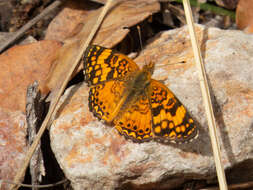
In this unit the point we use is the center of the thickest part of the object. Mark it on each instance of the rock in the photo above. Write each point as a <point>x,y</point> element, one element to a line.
<point>20,66</point>
<point>12,144</point>
<point>94,156</point>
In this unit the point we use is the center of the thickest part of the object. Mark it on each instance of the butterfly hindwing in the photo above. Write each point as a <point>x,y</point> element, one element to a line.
<point>170,119</point>
<point>134,120</point>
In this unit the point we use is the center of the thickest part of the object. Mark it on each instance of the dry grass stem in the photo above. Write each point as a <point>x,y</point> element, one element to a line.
<point>84,45</point>
<point>206,98</point>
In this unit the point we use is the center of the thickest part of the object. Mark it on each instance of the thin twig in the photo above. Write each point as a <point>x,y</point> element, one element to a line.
<point>246,185</point>
<point>36,186</point>
<point>27,26</point>
<point>206,98</point>
<point>34,112</point>
<point>54,102</point>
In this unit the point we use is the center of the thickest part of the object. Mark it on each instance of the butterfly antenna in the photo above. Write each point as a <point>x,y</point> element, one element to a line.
<point>139,33</point>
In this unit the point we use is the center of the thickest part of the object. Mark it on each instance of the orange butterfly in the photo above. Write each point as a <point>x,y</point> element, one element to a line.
<point>140,107</point>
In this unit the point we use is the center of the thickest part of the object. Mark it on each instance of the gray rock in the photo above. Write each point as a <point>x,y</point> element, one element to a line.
<point>94,156</point>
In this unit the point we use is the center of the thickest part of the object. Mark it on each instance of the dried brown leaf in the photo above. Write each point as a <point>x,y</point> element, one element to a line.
<point>64,57</point>
<point>228,4</point>
<point>112,31</point>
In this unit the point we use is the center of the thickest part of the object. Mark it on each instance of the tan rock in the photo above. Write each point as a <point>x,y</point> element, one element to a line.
<point>94,156</point>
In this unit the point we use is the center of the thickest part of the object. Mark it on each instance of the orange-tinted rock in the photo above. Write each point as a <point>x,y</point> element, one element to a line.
<point>21,66</point>
<point>12,143</point>
<point>244,15</point>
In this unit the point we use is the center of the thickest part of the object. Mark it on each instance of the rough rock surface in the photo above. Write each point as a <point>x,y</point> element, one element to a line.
<point>94,156</point>
<point>20,66</point>
<point>12,143</point>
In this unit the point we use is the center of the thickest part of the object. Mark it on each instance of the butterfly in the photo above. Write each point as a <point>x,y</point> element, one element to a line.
<point>140,108</point>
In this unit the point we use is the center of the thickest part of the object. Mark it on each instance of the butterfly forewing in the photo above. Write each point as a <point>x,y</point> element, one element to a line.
<point>102,64</point>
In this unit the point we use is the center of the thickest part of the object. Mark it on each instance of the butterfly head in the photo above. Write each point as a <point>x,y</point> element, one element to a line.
<point>149,68</point>
<point>142,79</point>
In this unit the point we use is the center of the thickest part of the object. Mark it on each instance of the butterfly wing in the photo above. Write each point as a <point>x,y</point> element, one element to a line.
<point>134,121</point>
<point>170,120</point>
<point>156,113</point>
<point>102,64</point>
<point>105,99</point>
<point>107,71</point>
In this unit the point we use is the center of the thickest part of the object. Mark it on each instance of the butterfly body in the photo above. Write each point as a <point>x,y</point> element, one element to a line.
<point>139,107</point>
<point>137,85</point>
